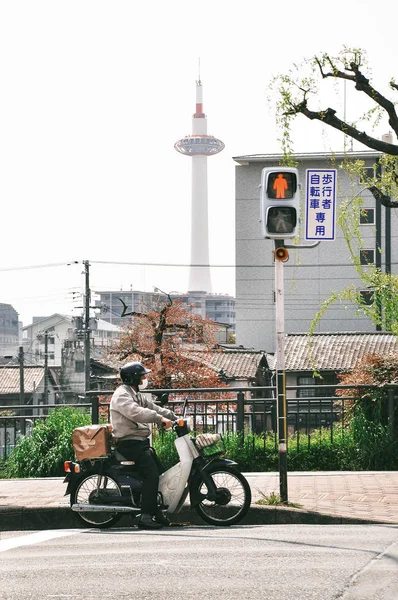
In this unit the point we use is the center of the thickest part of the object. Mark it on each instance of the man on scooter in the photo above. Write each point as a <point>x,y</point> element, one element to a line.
<point>131,416</point>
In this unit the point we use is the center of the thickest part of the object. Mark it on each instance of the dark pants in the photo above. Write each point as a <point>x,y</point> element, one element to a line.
<point>148,469</point>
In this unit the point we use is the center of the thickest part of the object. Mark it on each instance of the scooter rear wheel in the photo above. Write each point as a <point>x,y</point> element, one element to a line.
<point>233,497</point>
<point>83,494</point>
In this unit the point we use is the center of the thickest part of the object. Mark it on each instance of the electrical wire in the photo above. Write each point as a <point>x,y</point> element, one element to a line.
<point>185,265</point>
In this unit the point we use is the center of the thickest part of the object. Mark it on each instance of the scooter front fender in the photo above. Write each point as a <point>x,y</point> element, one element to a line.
<point>219,462</point>
<point>200,476</point>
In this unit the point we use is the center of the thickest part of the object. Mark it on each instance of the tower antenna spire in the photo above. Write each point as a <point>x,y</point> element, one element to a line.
<point>199,70</point>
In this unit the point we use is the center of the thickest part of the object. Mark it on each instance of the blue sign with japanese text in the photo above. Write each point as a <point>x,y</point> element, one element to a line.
<point>320,204</point>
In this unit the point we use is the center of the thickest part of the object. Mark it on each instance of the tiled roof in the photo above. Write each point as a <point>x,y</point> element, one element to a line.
<point>335,351</point>
<point>9,379</point>
<point>236,364</point>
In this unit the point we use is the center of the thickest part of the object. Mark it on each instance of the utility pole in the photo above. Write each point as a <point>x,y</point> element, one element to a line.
<point>46,367</point>
<point>21,386</point>
<point>87,298</point>
<point>21,376</point>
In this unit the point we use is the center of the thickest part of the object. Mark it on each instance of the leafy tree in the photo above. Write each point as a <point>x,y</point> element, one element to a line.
<point>367,412</point>
<point>381,307</point>
<point>302,84</point>
<point>373,370</point>
<point>161,339</point>
<point>298,91</point>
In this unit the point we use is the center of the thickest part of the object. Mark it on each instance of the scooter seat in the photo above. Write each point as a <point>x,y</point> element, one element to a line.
<point>122,459</point>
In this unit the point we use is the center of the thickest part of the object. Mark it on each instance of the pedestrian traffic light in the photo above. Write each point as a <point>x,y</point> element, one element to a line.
<point>280,202</point>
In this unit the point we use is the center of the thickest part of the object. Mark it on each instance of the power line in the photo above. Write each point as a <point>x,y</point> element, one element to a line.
<point>184,265</point>
<point>24,268</point>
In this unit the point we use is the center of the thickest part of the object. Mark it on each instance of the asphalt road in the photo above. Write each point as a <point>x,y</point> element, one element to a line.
<point>289,562</point>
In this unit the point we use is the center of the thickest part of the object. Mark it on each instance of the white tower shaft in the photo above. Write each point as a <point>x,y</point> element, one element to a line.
<point>199,277</point>
<point>199,146</point>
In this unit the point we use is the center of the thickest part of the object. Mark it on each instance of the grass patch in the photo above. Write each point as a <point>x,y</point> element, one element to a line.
<point>275,500</point>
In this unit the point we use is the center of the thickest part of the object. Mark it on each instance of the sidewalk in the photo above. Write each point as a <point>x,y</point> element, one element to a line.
<point>324,498</point>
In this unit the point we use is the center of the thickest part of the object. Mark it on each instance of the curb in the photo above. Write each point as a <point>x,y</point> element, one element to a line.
<point>24,519</point>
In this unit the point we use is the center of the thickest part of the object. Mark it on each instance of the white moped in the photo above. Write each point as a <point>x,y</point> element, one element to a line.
<point>102,490</point>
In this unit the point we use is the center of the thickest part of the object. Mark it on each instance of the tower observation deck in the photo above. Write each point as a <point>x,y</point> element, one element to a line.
<point>199,146</point>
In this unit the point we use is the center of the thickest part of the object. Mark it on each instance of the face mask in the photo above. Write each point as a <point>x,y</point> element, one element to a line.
<point>143,384</point>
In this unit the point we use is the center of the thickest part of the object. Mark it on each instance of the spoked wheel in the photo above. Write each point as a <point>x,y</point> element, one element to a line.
<point>88,492</point>
<point>233,498</point>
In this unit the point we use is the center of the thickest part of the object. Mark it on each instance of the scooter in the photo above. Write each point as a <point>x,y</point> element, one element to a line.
<point>102,490</point>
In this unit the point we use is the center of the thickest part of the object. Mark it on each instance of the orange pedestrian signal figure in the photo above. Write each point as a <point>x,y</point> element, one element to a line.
<point>280,186</point>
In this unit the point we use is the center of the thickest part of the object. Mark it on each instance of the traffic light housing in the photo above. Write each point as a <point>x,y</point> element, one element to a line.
<point>280,202</point>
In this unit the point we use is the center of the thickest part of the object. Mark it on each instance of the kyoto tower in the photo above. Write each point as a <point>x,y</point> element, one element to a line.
<point>199,146</point>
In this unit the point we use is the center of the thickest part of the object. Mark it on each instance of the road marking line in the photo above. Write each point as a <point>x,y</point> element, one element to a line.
<point>36,538</point>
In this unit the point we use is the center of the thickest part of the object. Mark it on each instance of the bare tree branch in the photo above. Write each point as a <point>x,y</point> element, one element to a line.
<point>362,84</point>
<point>329,117</point>
<point>384,200</point>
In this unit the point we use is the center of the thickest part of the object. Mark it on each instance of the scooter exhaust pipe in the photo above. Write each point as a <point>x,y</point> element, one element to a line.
<point>103,508</point>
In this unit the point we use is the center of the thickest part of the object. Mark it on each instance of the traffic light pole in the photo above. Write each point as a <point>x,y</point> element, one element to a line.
<point>281,405</point>
<point>87,298</point>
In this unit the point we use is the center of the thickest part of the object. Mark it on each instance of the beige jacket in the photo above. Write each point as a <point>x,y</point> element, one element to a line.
<point>131,413</point>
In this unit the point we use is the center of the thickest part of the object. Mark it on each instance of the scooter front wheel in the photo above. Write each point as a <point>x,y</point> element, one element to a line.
<point>86,492</point>
<point>232,501</point>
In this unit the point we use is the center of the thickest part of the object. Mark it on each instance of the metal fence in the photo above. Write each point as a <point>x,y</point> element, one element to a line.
<point>237,410</point>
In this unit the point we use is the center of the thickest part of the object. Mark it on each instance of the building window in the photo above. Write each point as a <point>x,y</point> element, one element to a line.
<point>51,340</point>
<point>79,366</point>
<point>369,173</point>
<point>366,296</point>
<point>367,216</point>
<point>305,393</point>
<point>367,257</point>
<point>51,355</point>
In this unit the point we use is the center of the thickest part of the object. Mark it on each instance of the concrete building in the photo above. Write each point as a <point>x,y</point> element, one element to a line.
<point>310,275</point>
<point>219,307</point>
<point>9,333</point>
<point>65,348</point>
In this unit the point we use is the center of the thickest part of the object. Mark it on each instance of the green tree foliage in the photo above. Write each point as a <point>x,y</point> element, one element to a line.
<point>382,305</point>
<point>367,412</point>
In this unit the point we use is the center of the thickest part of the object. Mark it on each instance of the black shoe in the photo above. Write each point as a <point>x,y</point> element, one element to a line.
<point>161,518</point>
<point>148,522</point>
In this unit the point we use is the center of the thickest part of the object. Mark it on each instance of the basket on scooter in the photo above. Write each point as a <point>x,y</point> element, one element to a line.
<point>210,444</point>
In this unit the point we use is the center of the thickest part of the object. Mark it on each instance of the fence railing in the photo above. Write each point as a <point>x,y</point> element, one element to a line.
<point>239,410</point>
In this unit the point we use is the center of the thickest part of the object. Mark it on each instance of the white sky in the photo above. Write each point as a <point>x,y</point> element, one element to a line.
<point>94,96</point>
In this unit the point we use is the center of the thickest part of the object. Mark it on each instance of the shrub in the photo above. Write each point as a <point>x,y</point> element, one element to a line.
<point>360,446</point>
<point>49,445</point>
<point>163,443</point>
